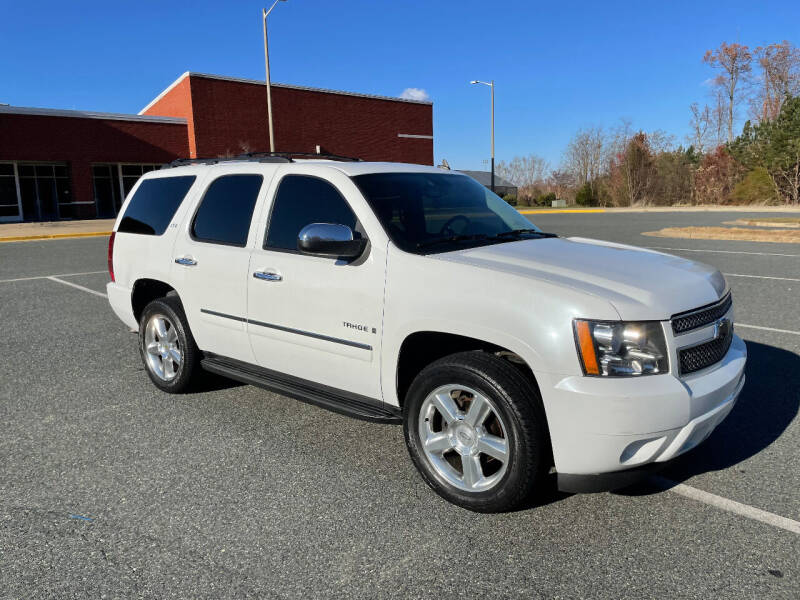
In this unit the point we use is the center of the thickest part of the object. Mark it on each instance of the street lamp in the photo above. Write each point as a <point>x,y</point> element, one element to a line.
<point>491,85</point>
<point>265,14</point>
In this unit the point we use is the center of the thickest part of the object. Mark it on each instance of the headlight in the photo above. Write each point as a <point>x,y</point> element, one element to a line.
<point>619,349</point>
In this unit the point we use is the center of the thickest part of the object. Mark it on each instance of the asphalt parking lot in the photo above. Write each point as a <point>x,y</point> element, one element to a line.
<point>110,488</point>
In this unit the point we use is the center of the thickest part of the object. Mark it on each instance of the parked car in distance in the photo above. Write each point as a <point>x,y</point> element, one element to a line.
<point>407,294</point>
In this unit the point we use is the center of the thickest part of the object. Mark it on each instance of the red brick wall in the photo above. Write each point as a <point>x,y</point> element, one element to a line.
<point>228,117</point>
<point>177,103</point>
<point>80,142</point>
<point>223,117</point>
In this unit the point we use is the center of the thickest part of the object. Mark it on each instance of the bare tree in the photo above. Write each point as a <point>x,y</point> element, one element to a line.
<point>734,61</point>
<point>560,182</point>
<point>618,140</point>
<point>524,171</point>
<point>780,79</point>
<point>701,126</point>
<point>585,156</point>
<point>719,118</point>
<point>659,141</point>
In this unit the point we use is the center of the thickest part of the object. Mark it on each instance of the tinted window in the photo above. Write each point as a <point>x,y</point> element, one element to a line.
<point>154,204</point>
<point>226,210</point>
<point>303,200</point>
<point>419,210</point>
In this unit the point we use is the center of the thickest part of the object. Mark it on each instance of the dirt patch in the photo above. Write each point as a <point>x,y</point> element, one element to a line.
<point>778,236</point>
<point>788,222</point>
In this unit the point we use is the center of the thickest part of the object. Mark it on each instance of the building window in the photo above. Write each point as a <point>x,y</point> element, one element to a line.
<point>107,190</point>
<point>113,182</point>
<point>9,200</point>
<point>130,175</point>
<point>45,192</point>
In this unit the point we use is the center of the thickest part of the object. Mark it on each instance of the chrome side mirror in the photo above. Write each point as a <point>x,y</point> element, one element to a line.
<point>330,240</point>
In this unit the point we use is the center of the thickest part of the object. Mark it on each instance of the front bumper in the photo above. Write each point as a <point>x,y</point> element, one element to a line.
<point>607,433</point>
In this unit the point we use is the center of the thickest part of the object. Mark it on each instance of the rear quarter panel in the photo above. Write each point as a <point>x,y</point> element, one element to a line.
<point>150,256</point>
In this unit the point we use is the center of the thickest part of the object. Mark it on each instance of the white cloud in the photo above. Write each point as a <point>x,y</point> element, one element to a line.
<point>415,94</point>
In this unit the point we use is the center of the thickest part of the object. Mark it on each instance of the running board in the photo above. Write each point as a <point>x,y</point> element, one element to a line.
<point>340,401</point>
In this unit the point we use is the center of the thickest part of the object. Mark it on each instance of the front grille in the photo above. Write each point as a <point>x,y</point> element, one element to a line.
<point>704,355</point>
<point>699,317</point>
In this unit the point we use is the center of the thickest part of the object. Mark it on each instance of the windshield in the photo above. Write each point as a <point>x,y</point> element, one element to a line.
<point>438,212</point>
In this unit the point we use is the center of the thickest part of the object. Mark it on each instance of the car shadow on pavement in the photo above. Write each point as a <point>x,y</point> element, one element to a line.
<point>766,406</point>
<point>211,382</point>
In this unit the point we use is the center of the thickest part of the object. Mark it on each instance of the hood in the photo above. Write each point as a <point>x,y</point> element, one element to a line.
<point>641,284</point>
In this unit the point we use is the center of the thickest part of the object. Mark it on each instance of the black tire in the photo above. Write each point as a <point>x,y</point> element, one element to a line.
<point>516,401</point>
<point>188,371</point>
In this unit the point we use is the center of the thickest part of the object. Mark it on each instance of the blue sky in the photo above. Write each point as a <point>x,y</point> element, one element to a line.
<point>558,66</point>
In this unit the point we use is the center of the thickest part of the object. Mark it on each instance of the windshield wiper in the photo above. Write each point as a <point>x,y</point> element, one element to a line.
<point>482,236</point>
<point>519,232</point>
<point>453,238</point>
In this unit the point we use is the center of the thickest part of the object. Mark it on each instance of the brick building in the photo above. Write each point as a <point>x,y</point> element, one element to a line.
<point>65,164</point>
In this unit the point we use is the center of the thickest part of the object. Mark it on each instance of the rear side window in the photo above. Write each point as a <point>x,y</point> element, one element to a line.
<point>154,204</point>
<point>226,210</point>
<point>300,201</point>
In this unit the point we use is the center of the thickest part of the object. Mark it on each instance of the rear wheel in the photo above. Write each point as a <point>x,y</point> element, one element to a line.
<point>476,431</point>
<point>166,345</point>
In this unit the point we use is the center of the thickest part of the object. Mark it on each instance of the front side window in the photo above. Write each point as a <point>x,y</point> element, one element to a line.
<point>300,201</point>
<point>154,204</point>
<point>435,212</point>
<point>226,210</point>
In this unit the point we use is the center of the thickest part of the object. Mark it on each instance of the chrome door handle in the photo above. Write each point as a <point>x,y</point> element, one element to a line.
<point>186,261</point>
<point>265,276</point>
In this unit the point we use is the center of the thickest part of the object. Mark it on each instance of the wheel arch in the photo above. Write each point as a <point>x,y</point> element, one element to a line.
<point>146,290</point>
<point>420,348</point>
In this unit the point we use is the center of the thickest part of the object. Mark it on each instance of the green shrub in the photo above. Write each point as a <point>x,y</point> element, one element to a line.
<point>511,199</point>
<point>756,188</point>
<point>546,199</point>
<point>585,196</point>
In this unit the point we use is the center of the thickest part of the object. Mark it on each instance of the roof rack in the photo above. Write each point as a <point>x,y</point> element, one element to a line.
<point>277,157</point>
<point>181,162</point>
<point>291,155</point>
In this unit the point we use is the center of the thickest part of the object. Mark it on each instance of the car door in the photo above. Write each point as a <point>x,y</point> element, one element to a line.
<point>211,260</point>
<point>311,317</point>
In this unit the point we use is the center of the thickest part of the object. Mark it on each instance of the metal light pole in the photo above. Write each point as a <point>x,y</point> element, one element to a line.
<point>491,85</point>
<point>265,14</point>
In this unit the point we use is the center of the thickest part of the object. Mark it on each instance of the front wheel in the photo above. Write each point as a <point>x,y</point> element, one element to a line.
<point>166,345</point>
<point>476,431</point>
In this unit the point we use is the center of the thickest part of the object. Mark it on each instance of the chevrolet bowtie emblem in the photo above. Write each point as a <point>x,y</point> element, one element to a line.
<point>721,328</point>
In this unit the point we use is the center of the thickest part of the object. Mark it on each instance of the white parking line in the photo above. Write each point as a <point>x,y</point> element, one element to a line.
<point>768,328</point>
<point>49,276</point>
<point>721,251</point>
<point>744,510</point>
<point>760,277</point>
<point>78,287</point>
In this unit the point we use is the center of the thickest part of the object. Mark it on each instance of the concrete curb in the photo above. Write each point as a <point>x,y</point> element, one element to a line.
<point>566,210</point>
<point>52,236</point>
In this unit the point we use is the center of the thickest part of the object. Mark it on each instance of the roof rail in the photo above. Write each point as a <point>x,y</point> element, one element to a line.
<point>291,155</point>
<point>180,162</point>
<point>282,157</point>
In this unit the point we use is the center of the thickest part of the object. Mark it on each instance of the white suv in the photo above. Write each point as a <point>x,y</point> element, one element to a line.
<point>404,293</point>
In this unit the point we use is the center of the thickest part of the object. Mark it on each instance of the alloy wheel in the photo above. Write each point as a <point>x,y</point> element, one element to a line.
<point>162,347</point>
<point>464,438</point>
